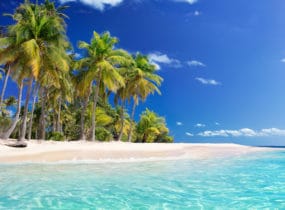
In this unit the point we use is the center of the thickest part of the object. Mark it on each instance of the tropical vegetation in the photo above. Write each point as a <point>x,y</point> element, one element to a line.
<point>67,98</point>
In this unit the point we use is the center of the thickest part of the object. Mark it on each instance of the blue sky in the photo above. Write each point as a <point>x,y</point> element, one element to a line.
<point>222,61</point>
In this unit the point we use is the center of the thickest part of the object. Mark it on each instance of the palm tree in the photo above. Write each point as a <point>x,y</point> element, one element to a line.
<point>150,127</point>
<point>82,90</point>
<point>35,93</point>
<point>122,95</point>
<point>10,55</point>
<point>57,96</point>
<point>6,134</point>
<point>101,66</point>
<point>7,74</point>
<point>143,81</point>
<point>41,40</point>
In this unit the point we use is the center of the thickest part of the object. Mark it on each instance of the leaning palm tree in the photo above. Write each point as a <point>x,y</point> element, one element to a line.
<point>101,66</point>
<point>10,55</point>
<point>7,75</point>
<point>18,76</point>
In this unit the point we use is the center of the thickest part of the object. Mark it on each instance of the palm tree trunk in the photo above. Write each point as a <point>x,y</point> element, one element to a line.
<point>82,119</point>
<point>32,113</point>
<point>4,87</point>
<point>24,122</point>
<point>7,134</point>
<point>132,120</point>
<point>83,111</point>
<point>122,122</point>
<point>59,128</point>
<point>54,122</point>
<point>96,95</point>
<point>144,138</point>
<point>42,134</point>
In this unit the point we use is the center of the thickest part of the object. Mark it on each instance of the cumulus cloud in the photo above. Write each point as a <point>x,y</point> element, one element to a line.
<point>200,125</point>
<point>96,4</point>
<point>189,134</point>
<point>158,58</point>
<point>195,63</point>
<point>272,131</point>
<point>187,1</point>
<point>179,123</point>
<point>244,132</point>
<point>207,81</point>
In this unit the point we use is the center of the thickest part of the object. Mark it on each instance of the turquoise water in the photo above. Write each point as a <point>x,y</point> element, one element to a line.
<point>255,181</point>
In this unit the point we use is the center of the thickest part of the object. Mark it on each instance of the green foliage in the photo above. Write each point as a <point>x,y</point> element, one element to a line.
<point>152,128</point>
<point>102,134</point>
<point>70,118</point>
<point>56,136</point>
<point>4,123</point>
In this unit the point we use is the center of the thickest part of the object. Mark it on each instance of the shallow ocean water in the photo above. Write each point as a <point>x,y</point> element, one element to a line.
<point>253,181</point>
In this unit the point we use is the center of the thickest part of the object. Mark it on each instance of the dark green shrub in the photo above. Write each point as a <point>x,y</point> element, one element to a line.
<point>103,134</point>
<point>56,136</point>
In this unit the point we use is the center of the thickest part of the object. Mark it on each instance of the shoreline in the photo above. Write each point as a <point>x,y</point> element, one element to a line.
<point>84,151</point>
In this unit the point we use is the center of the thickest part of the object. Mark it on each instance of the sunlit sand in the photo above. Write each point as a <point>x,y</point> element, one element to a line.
<point>51,151</point>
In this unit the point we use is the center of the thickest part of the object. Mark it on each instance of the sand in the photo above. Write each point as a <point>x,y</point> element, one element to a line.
<point>52,151</point>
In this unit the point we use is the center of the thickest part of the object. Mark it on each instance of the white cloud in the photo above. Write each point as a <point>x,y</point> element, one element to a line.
<point>207,81</point>
<point>189,134</point>
<point>11,112</point>
<point>65,1</point>
<point>216,123</point>
<point>244,132</point>
<point>283,60</point>
<point>197,13</point>
<point>96,4</point>
<point>200,125</point>
<point>101,4</point>
<point>195,63</point>
<point>179,123</point>
<point>273,131</point>
<point>77,55</point>
<point>187,1</point>
<point>158,58</point>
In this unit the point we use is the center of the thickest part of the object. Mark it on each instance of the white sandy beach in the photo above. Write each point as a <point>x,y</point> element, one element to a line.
<point>51,151</point>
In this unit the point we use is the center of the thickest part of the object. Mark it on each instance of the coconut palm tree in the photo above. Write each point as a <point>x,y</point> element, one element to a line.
<point>57,97</point>
<point>10,55</point>
<point>41,40</point>
<point>18,77</point>
<point>143,82</point>
<point>151,127</point>
<point>35,93</point>
<point>101,66</point>
<point>122,95</point>
<point>7,74</point>
<point>82,89</point>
